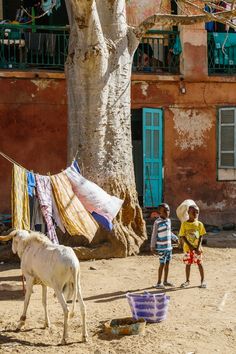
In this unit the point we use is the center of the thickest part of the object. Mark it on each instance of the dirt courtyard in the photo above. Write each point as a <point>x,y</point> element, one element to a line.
<point>199,320</point>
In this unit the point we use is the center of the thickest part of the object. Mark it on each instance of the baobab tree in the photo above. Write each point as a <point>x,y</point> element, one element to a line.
<point>98,73</point>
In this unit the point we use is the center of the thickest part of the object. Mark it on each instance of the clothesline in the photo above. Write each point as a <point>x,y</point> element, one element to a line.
<point>17,164</point>
<point>37,17</point>
<point>12,161</point>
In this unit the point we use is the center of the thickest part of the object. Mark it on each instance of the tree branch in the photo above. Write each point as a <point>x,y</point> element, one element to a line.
<point>69,11</point>
<point>167,19</point>
<point>222,16</point>
<point>222,12</point>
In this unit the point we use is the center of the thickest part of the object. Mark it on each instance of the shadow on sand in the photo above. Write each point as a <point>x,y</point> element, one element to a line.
<point>117,295</point>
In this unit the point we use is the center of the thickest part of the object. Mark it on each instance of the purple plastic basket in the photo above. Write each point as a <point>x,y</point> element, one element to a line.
<point>150,307</point>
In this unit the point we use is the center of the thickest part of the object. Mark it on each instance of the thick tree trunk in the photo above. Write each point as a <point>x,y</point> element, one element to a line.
<point>98,72</point>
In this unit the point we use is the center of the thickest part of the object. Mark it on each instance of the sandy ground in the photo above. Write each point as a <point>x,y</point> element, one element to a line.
<point>199,320</point>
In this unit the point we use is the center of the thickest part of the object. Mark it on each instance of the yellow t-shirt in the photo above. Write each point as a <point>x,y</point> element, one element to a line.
<point>192,231</point>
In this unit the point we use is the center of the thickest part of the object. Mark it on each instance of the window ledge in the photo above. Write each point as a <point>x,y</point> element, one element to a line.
<point>32,74</point>
<point>226,174</point>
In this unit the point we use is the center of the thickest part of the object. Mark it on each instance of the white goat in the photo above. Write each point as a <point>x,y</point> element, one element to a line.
<point>50,265</point>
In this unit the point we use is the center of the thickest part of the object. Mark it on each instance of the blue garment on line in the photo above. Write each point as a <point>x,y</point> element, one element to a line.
<point>177,48</point>
<point>107,224</point>
<point>76,166</point>
<point>209,26</point>
<point>31,183</point>
<point>48,5</point>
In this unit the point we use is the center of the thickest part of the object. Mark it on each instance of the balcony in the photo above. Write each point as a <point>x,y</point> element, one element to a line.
<point>158,52</point>
<point>28,47</point>
<point>221,53</point>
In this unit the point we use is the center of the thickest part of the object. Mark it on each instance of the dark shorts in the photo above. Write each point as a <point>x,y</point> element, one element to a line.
<point>164,256</point>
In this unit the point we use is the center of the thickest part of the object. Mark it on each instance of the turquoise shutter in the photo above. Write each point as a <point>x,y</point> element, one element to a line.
<point>152,156</point>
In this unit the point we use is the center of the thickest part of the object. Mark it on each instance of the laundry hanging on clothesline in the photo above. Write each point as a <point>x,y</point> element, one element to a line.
<point>44,191</point>
<point>67,200</point>
<point>100,204</point>
<point>75,217</point>
<point>31,10</point>
<point>20,199</point>
<point>48,5</point>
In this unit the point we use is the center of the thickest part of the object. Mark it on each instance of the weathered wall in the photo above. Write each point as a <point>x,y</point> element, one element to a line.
<point>33,127</point>
<point>138,10</point>
<point>190,143</point>
<point>33,116</point>
<point>193,59</point>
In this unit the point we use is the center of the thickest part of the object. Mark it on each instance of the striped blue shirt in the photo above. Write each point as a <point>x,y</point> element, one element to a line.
<point>162,235</point>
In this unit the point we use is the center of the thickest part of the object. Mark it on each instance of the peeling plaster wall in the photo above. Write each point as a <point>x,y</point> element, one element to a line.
<point>191,126</point>
<point>190,143</point>
<point>33,125</point>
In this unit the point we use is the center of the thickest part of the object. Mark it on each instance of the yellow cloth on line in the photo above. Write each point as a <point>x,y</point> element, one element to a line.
<point>20,199</point>
<point>75,217</point>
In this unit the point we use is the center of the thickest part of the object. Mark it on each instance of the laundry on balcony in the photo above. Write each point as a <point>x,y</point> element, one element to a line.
<point>40,43</point>
<point>224,48</point>
<point>48,5</point>
<point>35,42</point>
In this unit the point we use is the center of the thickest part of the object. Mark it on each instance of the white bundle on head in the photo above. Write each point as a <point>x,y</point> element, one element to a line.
<point>182,210</point>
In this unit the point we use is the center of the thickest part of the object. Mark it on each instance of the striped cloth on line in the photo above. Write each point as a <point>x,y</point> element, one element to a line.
<point>20,199</point>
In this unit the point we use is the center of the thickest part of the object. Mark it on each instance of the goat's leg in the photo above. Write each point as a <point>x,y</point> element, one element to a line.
<point>23,283</point>
<point>44,301</point>
<point>65,308</point>
<point>75,292</point>
<point>29,287</point>
<point>83,314</point>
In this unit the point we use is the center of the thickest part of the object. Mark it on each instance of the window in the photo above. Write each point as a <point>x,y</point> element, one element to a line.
<point>227,134</point>
<point>227,144</point>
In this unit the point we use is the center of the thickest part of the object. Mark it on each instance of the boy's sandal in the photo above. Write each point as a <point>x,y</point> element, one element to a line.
<point>160,286</point>
<point>185,284</point>
<point>166,283</point>
<point>203,285</point>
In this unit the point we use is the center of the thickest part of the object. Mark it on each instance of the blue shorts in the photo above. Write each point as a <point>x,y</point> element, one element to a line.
<point>164,256</point>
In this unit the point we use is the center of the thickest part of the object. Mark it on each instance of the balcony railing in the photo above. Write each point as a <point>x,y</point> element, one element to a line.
<point>45,47</point>
<point>24,47</point>
<point>158,52</point>
<point>221,53</point>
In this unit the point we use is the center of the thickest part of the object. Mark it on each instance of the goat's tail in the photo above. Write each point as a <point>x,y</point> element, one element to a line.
<point>75,292</point>
<point>68,291</point>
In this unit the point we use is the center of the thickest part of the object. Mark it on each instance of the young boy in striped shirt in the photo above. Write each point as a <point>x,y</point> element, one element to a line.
<point>161,243</point>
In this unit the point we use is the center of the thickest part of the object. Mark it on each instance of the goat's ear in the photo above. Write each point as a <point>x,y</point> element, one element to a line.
<point>13,233</point>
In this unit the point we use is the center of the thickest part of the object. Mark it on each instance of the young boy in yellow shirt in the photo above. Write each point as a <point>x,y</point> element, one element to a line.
<point>191,232</point>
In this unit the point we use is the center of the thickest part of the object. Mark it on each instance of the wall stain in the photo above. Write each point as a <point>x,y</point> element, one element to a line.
<point>42,84</point>
<point>144,88</point>
<point>192,127</point>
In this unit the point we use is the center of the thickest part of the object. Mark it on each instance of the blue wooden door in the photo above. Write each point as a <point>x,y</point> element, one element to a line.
<point>152,157</point>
